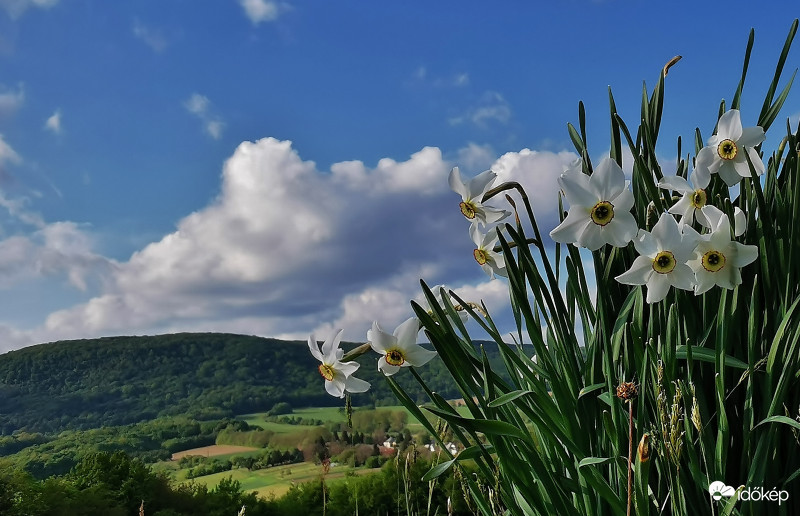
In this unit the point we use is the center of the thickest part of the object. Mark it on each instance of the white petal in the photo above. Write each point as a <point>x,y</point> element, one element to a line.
<point>476,235</point>
<point>406,333</point>
<point>657,287</point>
<point>418,356</point>
<point>488,215</point>
<point>577,190</point>
<point>705,280</point>
<point>729,172</point>
<point>331,345</point>
<point>621,230</point>
<point>353,384</point>
<point>744,254</point>
<point>730,126</point>
<point>480,184</point>
<point>645,244</point>
<point>682,277</point>
<point>593,237</point>
<point>313,347</point>
<point>456,184</point>
<point>743,168</point>
<point>675,183</point>
<point>739,221</point>
<point>684,208</point>
<point>666,232</point>
<point>623,201</point>
<point>379,340</point>
<point>386,368</point>
<point>335,387</point>
<point>751,136</point>
<point>608,180</point>
<point>571,227</point>
<point>346,368</point>
<point>639,273</point>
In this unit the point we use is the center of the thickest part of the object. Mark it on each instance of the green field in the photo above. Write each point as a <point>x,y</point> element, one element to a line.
<point>277,481</point>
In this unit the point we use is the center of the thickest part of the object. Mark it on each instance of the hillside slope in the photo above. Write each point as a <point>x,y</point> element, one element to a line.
<point>120,380</point>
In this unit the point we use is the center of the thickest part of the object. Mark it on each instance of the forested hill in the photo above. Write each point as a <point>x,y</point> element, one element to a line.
<point>120,380</point>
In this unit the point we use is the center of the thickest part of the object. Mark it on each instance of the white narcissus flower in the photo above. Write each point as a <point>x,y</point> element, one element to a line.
<point>724,153</point>
<point>472,193</point>
<point>399,349</point>
<point>337,374</point>
<point>490,261</point>
<point>599,208</point>
<point>694,198</point>
<point>717,260</point>
<point>662,261</point>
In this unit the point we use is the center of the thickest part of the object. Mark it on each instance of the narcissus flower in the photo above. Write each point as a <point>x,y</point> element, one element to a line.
<point>337,374</point>
<point>599,208</point>
<point>662,261</point>
<point>399,349</point>
<point>718,260</point>
<point>472,193</point>
<point>694,198</point>
<point>490,261</point>
<point>724,153</point>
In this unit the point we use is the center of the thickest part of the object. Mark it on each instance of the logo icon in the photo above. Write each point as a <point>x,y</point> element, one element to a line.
<point>718,490</point>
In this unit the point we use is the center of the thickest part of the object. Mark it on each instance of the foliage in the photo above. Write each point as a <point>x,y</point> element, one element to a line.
<point>717,374</point>
<point>122,380</point>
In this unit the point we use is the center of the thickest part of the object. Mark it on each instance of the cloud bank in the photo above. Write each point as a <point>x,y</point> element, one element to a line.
<point>287,248</point>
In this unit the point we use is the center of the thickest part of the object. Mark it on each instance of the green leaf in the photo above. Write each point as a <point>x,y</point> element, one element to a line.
<point>707,355</point>
<point>781,419</point>
<point>508,397</point>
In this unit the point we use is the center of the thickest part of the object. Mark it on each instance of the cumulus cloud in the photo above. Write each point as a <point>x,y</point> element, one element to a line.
<point>153,38</point>
<point>53,123</point>
<point>200,106</point>
<point>11,100</point>
<point>491,107</point>
<point>259,11</point>
<point>287,249</point>
<point>17,8</point>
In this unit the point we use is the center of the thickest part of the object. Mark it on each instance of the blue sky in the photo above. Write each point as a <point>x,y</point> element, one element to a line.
<point>278,168</point>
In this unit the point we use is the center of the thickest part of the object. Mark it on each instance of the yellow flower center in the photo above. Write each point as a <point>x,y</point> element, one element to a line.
<point>664,262</point>
<point>481,256</point>
<point>395,357</point>
<point>327,372</point>
<point>699,198</point>
<point>468,209</point>
<point>727,149</point>
<point>602,213</point>
<point>713,261</point>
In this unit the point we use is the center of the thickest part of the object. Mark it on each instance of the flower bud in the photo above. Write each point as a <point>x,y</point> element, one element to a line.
<point>644,448</point>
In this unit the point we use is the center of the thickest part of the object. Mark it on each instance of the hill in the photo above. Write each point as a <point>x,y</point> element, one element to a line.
<point>111,381</point>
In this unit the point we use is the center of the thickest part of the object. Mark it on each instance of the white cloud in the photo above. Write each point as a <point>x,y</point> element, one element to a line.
<point>263,10</point>
<point>10,100</point>
<point>53,123</point>
<point>285,249</point>
<point>153,38</point>
<point>16,8</point>
<point>491,107</point>
<point>200,106</point>
<point>537,172</point>
<point>476,157</point>
<point>7,154</point>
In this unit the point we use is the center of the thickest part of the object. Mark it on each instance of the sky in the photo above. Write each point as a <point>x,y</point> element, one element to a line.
<point>279,168</point>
